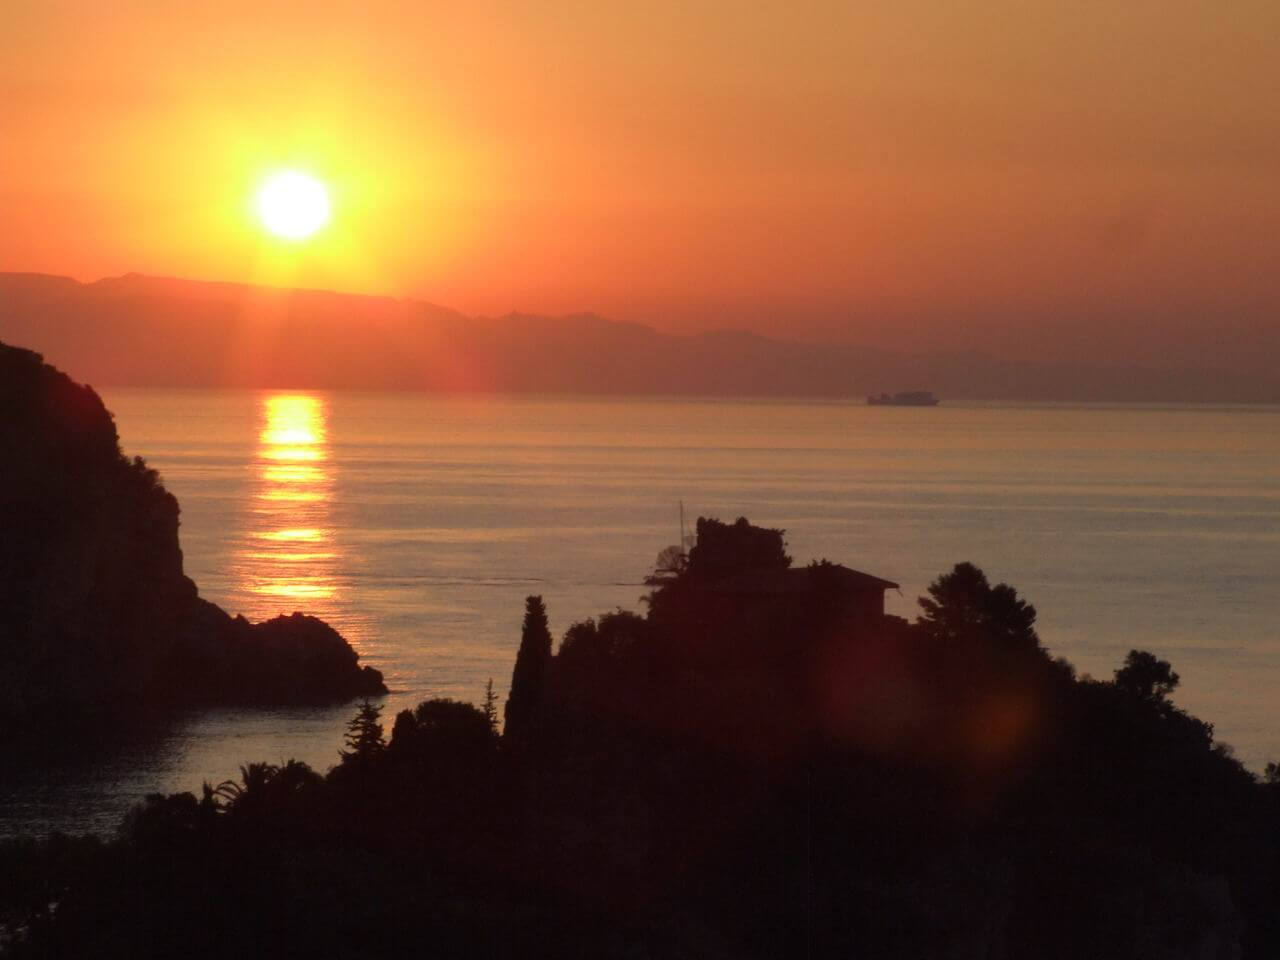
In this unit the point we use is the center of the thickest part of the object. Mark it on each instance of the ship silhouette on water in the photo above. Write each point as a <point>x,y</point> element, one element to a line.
<point>906,398</point>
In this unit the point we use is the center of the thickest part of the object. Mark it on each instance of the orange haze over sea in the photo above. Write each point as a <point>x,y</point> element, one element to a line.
<point>1029,177</point>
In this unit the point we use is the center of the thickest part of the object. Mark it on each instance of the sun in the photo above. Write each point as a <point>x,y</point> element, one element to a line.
<point>293,205</point>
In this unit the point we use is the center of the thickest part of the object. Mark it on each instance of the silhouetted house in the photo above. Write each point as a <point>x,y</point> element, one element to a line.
<point>861,595</point>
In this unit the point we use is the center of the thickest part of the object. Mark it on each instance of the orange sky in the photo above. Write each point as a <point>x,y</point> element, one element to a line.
<point>906,174</point>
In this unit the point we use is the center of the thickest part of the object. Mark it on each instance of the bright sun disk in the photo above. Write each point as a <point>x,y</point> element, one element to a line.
<point>293,205</point>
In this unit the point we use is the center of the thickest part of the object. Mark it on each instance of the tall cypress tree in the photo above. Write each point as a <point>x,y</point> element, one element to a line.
<point>491,706</point>
<point>530,671</point>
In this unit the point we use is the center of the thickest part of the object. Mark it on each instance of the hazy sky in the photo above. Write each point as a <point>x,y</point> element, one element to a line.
<point>1088,177</point>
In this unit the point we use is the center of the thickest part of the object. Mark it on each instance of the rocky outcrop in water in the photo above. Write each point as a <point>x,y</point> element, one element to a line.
<point>96,614</point>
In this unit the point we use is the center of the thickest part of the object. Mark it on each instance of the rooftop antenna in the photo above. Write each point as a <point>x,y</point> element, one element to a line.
<point>684,537</point>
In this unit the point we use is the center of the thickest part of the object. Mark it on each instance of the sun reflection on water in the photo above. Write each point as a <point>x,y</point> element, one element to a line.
<point>291,559</point>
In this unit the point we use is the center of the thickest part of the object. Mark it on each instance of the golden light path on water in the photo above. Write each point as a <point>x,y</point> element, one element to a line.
<point>291,557</point>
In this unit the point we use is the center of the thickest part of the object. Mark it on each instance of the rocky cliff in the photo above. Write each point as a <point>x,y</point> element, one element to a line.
<point>96,614</point>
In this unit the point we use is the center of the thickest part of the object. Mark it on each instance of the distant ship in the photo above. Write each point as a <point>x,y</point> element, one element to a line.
<point>908,398</point>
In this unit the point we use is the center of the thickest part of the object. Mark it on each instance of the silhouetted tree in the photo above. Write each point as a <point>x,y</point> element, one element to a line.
<point>1146,676</point>
<point>452,719</point>
<point>444,736</point>
<point>364,735</point>
<point>672,561</point>
<point>725,549</point>
<point>294,777</point>
<point>491,706</point>
<point>962,606</point>
<point>588,645</point>
<point>249,795</point>
<point>402,729</point>
<point>528,678</point>
<point>933,795</point>
<point>208,799</point>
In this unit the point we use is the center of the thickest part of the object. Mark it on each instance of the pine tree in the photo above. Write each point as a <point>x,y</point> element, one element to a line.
<point>364,734</point>
<point>491,706</point>
<point>530,671</point>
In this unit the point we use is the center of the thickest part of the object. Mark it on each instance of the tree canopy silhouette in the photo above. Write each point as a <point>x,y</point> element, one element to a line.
<point>742,776</point>
<point>529,676</point>
<point>669,565</point>
<point>364,740</point>
<point>962,607</point>
<point>1146,676</point>
<point>723,549</point>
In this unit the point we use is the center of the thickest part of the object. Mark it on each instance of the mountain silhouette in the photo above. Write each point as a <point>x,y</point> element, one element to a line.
<point>152,331</point>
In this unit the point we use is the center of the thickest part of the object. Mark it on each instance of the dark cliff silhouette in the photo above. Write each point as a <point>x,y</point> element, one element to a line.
<point>155,331</point>
<point>726,777</point>
<point>96,614</point>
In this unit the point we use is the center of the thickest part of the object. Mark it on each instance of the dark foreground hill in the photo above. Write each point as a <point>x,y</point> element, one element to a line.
<point>762,766</point>
<point>96,614</point>
<point>148,331</point>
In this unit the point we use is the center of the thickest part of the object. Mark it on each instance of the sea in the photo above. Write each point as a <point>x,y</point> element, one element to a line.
<point>418,524</point>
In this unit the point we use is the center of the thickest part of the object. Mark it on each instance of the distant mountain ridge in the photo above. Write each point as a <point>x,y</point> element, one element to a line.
<point>137,330</point>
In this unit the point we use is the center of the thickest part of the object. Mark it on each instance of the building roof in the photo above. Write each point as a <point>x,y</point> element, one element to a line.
<point>799,580</point>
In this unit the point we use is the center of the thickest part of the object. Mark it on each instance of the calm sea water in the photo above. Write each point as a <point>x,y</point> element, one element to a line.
<point>418,524</point>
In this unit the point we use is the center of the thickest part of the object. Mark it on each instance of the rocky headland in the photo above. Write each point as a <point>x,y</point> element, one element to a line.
<point>97,616</point>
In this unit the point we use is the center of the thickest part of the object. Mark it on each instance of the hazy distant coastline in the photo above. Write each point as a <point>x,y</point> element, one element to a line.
<point>147,331</point>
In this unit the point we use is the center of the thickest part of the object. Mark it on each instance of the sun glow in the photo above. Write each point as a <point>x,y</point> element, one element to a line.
<point>293,205</point>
